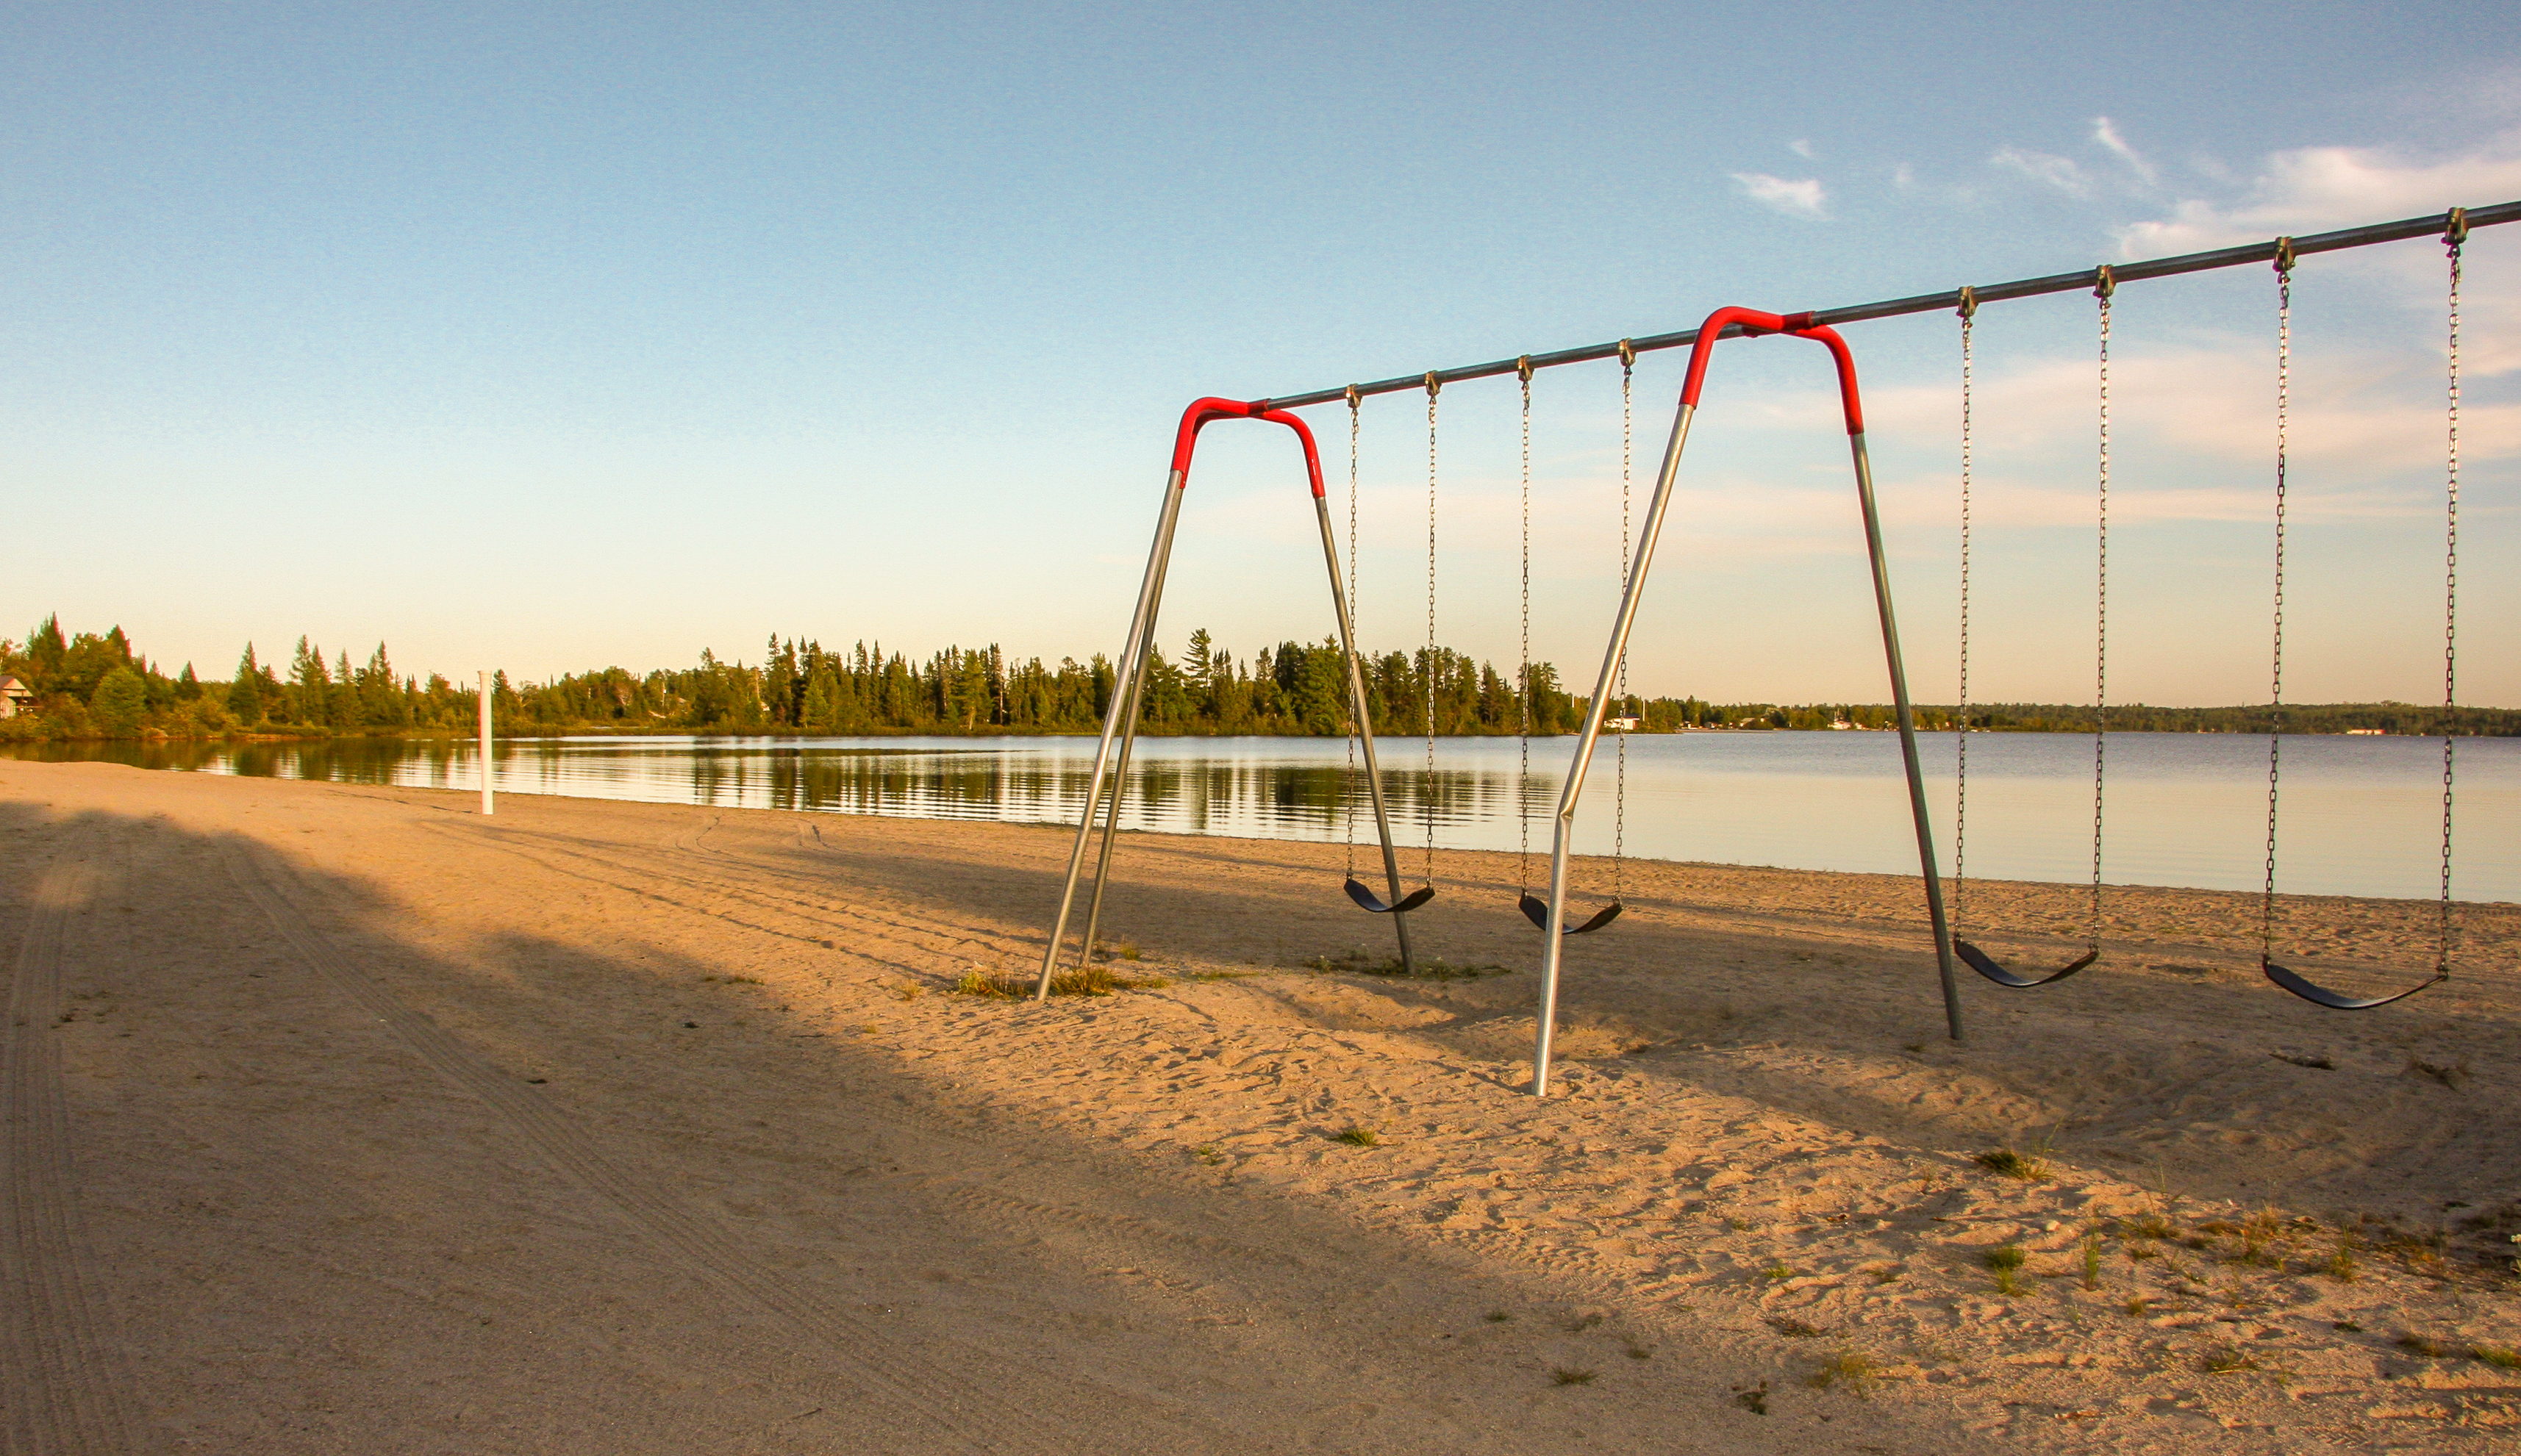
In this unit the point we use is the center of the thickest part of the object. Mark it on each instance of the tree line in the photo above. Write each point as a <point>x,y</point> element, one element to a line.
<point>96,686</point>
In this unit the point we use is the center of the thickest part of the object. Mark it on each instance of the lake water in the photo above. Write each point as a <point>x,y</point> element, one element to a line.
<point>2361,816</point>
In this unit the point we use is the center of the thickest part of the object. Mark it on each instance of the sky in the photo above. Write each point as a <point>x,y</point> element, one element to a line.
<point>557,336</point>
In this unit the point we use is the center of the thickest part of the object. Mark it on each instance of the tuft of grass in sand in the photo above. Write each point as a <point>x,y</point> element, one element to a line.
<point>1854,1369</point>
<point>2004,1162</point>
<point>1570,1375</point>
<point>1777,1272</point>
<point>2226,1359</point>
<point>1497,1317</point>
<point>2006,1261</point>
<point>2452,1075</point>
<point>2341,1260</point>
<point>2419,1345</point>
<point>2093,1260</point>
<point>1753,1398</point>
<point>1360,1137</point>
<point>2501,1357</point>
<point>1208,1156</point>
<point>2138,1304</point>
<point>1357,963</point>
<point>1636,1351</point>
<point>1087,980</point>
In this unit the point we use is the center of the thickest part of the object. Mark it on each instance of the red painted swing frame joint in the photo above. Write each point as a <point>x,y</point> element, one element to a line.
<point>1203,411</point>
<point>1753,323</point>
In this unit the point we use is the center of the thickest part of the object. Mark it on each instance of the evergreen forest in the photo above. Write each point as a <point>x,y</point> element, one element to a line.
<point>98,686</point>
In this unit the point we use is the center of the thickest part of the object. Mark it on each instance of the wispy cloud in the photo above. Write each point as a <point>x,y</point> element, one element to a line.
<point>1806,199</point>
<point>1801,148</point>
<point>1904,176</point>
<point>2106,134</point>
<point>2311,188</point>
<point>2057,171</point>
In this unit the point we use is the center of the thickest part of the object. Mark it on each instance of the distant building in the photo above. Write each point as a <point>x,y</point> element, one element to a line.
<point>13,693</point>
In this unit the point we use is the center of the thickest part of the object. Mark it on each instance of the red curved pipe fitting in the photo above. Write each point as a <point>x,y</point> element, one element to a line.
<point>1752,324</point>
<point>1201,411</point>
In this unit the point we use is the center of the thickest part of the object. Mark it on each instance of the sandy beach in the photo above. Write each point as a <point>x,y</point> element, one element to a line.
<point>343,1118</point>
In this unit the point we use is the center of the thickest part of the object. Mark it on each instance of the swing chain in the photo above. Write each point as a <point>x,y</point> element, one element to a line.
<point>2453,238</point>
<point>1620,799</point>
<point>2276,672</point>
<point>1350,807</point>
<point>1427,787</point>
<point>1523,670</point>
<point>1961,782</point>
<point>2107,286</point>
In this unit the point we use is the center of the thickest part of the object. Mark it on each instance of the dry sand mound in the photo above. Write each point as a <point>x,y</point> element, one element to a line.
<point>341,1118</point>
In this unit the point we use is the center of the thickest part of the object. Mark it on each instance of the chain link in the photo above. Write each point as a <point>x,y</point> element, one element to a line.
<point>1960,779</point>
<point>2101,612</point>
<point>1620,799</point>
<point>1427,787</point>
<point>1522,675</point>
<point>1357,728</point>
<point>2451,598</point>
<point>2276,667</point>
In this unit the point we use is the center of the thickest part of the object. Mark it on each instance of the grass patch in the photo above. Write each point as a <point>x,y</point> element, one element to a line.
<point>2006,1262</point>
<point>1360,1137</point>
<point>1753,1398</point>
<point>1570,1375</point>
<point>2452,1075</point>
<point>2500,1356</point>
<point>2138,1304</point>
<point>1854,1369</point>
<point>1778,1273</point>
<point>2004,1162</point>
<point>2093,1260</point>
<point>1357,963</point>
<point>2419,1345</point>
<point>2226,1359</point>
<point>2341,1260</point>
<point>1085,980</point>
<point>1208,1156</point>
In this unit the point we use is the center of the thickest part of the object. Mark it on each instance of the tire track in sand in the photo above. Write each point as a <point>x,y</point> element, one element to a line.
<point>62,1371</point>
<point>927,1393</point>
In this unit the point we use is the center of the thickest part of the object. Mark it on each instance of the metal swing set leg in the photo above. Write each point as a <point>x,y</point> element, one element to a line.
<point>1121,717</point>
<point>1742,322</point>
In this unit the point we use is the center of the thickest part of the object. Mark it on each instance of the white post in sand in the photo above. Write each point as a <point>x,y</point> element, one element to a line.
<point>487,810</point>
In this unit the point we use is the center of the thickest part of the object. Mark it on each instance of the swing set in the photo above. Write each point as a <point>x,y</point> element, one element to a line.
<point>1107,782</point>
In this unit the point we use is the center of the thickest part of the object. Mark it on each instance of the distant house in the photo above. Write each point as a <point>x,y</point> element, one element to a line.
<point>13,692</point>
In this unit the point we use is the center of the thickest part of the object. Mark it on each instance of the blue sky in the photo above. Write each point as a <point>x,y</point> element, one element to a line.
<point>549,337</point>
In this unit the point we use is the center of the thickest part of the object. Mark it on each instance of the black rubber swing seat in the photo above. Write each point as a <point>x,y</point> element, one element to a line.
<point>1986,964</point>
<point>2336,1001</point>
<point>1367,900</point>
<point>1537,910</point>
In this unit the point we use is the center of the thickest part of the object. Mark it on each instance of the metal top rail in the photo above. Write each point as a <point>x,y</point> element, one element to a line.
<point>2435,224</point>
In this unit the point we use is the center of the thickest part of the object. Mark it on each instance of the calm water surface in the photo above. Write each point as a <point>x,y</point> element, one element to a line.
<point>2361,816</point>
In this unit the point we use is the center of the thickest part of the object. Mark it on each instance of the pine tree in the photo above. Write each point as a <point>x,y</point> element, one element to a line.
<point>121,701</point>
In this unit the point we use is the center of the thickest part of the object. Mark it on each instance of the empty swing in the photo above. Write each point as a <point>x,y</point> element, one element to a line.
<point>1970,955</point>
<point>1534,908</point>
<point>2318,995</point>
<point>1359,727</point>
